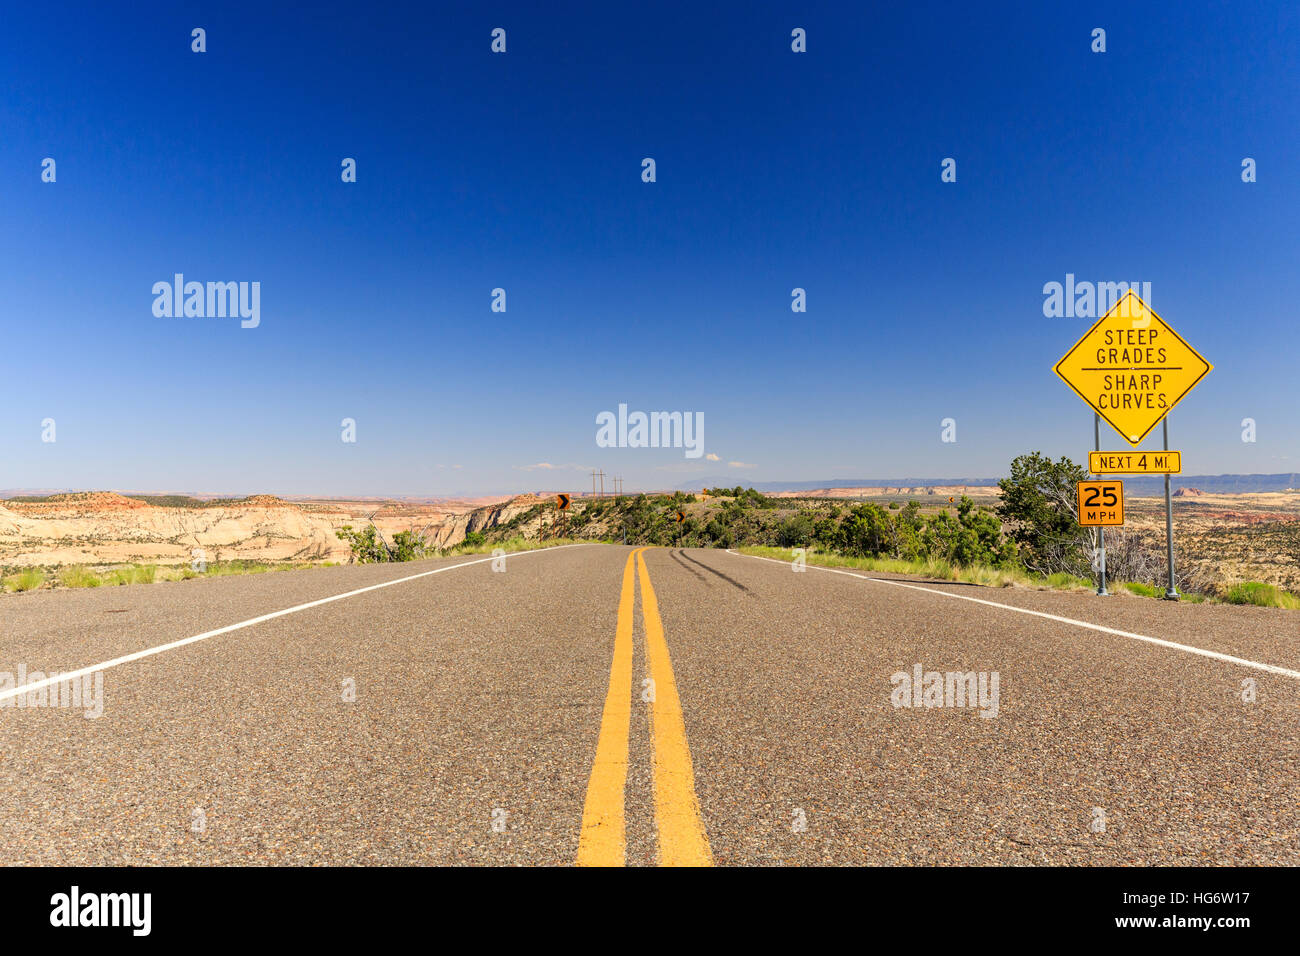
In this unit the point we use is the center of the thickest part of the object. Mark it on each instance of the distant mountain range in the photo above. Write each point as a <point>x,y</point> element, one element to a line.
<point>1139,485</point>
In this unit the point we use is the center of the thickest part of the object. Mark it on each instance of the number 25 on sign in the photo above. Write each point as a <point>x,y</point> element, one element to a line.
<point>1101,503</point>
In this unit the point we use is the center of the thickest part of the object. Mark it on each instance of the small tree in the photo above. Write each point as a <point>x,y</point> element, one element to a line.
<point>1040,508</point>
<point>795,532</point>
<point>979,537</point>
<point>865,531</point>
<point>905,532</point>
<point>366,548</point>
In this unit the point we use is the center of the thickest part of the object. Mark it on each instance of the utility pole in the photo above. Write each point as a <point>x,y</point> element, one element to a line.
<point>593,482</point>
<point>602,483</point>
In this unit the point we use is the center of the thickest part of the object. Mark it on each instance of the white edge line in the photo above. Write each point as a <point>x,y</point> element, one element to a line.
<point>150,651</point>
<point>1295,675</point>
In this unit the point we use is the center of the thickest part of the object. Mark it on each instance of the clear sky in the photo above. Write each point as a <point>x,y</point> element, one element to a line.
<point>523,171</point>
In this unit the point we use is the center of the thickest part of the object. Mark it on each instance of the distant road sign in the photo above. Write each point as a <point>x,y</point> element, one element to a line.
<point>681,516</point>
<point>562,502</point>
<point>1132,368</point>
<point>1101,503</point>
<point>1135,462</point>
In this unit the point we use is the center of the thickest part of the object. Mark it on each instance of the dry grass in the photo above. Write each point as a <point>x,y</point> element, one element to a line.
<point>943,570</point>
<point>78,576</point>
<point>1249,592</point>
<point>81,576</point>
<point>515,544</point>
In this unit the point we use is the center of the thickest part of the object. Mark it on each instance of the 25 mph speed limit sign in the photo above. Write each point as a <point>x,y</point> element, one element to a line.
<point>1101,503</point>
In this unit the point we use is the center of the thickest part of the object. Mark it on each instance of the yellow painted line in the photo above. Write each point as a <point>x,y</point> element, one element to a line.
<point>603,841</point>
<point>682,840</point>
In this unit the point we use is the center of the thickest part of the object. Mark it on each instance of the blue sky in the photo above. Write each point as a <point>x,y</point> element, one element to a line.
<point>522,170</point>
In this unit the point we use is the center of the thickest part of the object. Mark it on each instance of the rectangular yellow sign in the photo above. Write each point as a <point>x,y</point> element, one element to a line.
<point>1135,462</point>
<point>1101,503</point>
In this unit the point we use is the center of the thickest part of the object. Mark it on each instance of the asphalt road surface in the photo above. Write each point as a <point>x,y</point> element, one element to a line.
<point>605,705</point>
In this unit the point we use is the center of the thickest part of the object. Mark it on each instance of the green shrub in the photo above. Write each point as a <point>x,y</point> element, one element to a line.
<point>1062,581</point>
<point>1144,590</point>
<point>368,547</point>
<point>1260,594</point>
<point>28,580</point>
<point>78,576</point>
<point>795,532</point>
<point>133,574</point>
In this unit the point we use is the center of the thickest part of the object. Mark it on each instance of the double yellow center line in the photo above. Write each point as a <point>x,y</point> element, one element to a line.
<point>682,840</point>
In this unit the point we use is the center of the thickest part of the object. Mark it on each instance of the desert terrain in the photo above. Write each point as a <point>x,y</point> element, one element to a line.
<point>1224,537</point>
<point>1246,537</point>
<point>105,528</point>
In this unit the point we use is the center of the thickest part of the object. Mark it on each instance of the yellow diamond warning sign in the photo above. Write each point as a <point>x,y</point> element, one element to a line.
<point>1132,367</point>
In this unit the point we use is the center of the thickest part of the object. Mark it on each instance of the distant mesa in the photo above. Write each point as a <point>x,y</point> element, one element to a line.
<point>265,501</point>
<point>870,491</point>
<point>94,502</point>
<point>82,501</point>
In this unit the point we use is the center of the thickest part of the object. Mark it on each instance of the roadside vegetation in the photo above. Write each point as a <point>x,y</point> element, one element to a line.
<point>1032,538</point>
<point>78,576</point>
<point>1004,577</point>
<point>83,576</point>
<point>133,574</point>
<point>26,580</point>
<point>1263,595</point>
<point>482,546</point>
<point>370,547</point>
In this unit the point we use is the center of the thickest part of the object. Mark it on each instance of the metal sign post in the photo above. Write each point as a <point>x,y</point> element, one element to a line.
<point>1101,532</point>
<point>1132,368</point>
<point>1171,592</point>
<point>562,504</point>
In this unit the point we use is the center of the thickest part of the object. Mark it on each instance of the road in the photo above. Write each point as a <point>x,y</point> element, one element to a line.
<point>600,704</point>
